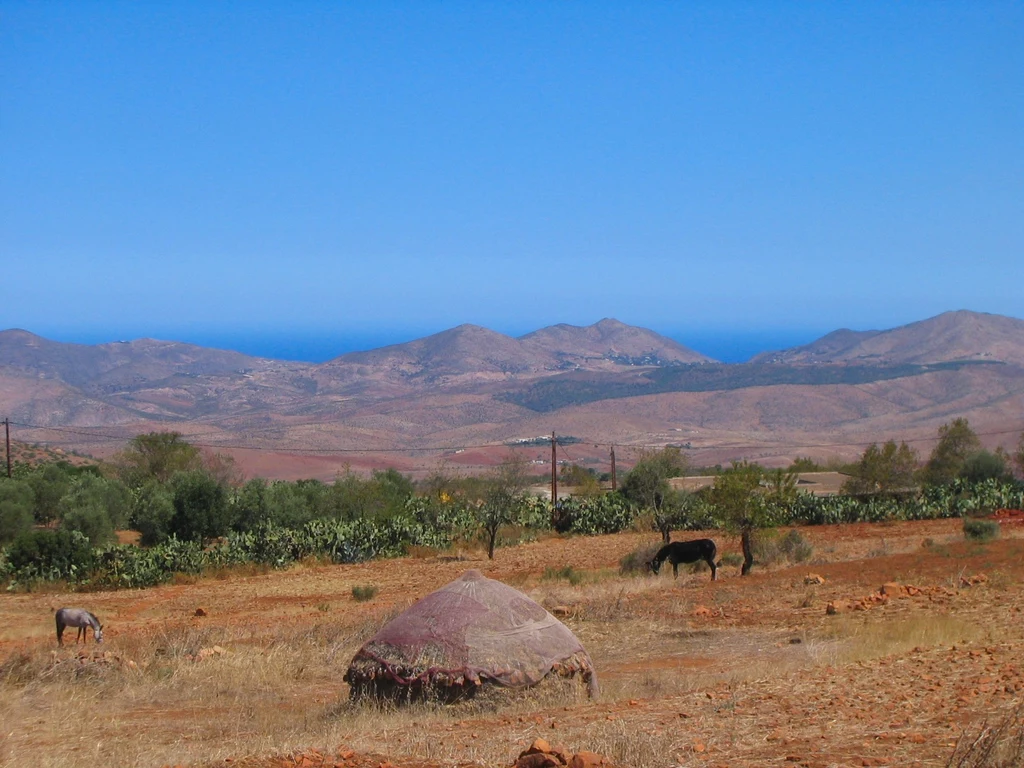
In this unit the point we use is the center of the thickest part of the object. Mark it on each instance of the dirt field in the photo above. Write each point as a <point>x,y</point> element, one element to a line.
<point>741,672</point>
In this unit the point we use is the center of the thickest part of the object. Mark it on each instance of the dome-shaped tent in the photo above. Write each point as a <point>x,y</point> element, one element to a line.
<point>471,631</point>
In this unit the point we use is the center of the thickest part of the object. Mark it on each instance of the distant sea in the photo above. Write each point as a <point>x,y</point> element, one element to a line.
<point>740,346</point>
<point>728,346</point>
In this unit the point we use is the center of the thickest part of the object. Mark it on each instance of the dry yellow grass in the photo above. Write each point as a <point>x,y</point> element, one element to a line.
<point>678,687</point>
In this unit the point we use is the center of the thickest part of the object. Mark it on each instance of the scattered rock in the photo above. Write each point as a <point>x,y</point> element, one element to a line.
<point>538,760</point>
<point>542,755</point>
<point>539,745</point>
<point>586,759</point>
<point>200,612</point>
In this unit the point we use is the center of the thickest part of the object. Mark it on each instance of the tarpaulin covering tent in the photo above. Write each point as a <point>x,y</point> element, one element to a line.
<point>469,632</point>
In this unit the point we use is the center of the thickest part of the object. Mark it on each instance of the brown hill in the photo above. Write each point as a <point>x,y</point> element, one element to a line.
<point>462,350</point>
<point>608,341</point>
<point>410,404</point>
<point>117,365</point>
<point>472,350</point>
<point>949,337</point>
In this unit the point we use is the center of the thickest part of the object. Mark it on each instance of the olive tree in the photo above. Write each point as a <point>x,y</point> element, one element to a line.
<point>49,484</point>
<point>889,469</point>
<point>742,505</point>
<point>156,456</point>
<point>985,465</point>
<point>957,441</point>
<point>16,503</point>
<point>503,494</point>
<point>582,480</point>
<point>96,507</point>
<point>152,513</point>
<point>201,511</point>
<point>646,486</point>
<point>381,496</point>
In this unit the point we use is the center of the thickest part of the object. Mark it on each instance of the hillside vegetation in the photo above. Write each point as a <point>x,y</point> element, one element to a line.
<point>195,515</point>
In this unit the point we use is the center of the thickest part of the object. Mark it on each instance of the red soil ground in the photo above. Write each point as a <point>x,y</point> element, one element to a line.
<point>739,672</point>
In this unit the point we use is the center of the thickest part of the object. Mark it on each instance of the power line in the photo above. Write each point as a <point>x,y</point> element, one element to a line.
<point>293,449</point>
<point>467,446</point>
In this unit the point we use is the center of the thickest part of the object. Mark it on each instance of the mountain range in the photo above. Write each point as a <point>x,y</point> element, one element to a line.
<point>470,389</point>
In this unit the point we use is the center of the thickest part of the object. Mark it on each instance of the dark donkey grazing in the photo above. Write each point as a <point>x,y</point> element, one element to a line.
<point>678,552</point>
<point>81,618</point>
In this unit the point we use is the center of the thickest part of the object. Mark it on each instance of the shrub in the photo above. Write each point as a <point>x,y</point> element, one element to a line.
<point>566,572</point>
<point>201,511</point>
<point>769,548</point>
<point>49,483</point>
<point>95,506</point>
<point>993,744</point>
<point>153,512</point>
<point>363,592</point>
<point>639,560</point>
<point>92,521</point>
<point>591,515</point>
<point>980,530</point>
<point>732,559</point>
<point>795,547</point>
<point>50,555</point>
<point>15,509</point>
<point>765,545</point>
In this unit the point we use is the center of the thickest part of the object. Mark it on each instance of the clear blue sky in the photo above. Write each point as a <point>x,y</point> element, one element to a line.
<point>379,171</point>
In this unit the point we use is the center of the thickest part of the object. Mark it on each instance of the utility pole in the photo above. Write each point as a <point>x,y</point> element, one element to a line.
<point>554,484</point>
<point>7,432</point>
<point>554,472</point>
<point>615,480</point>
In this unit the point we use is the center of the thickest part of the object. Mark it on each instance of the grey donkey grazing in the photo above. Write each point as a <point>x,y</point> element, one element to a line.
<point>81,618</point>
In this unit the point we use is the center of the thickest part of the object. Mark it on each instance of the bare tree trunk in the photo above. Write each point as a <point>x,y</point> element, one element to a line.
<point>748,551</point>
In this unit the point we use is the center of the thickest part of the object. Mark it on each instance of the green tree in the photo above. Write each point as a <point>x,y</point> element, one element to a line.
<point>885,470</point>
<point>250,503</point>
<point>442,483</point>
<point>805,464</point>
<point>646,486</point>
<point>957,441</point>
<point>1018,456</point>
<point>984,465</point>
<point>737,496</point>
<point>393,488</point>
<point>316,495</point>
<point>201,511</point>
<point>156,456</point>
<point>287,505</point>
<point>780,486</point>
<point>381,496</point>
<point>582,480</point>
<point>504,492</point>
<point>153,512</point>
<point>96,507</point>
<point>49,484</point>
<point>16,503</point>
<point>51,554</point>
